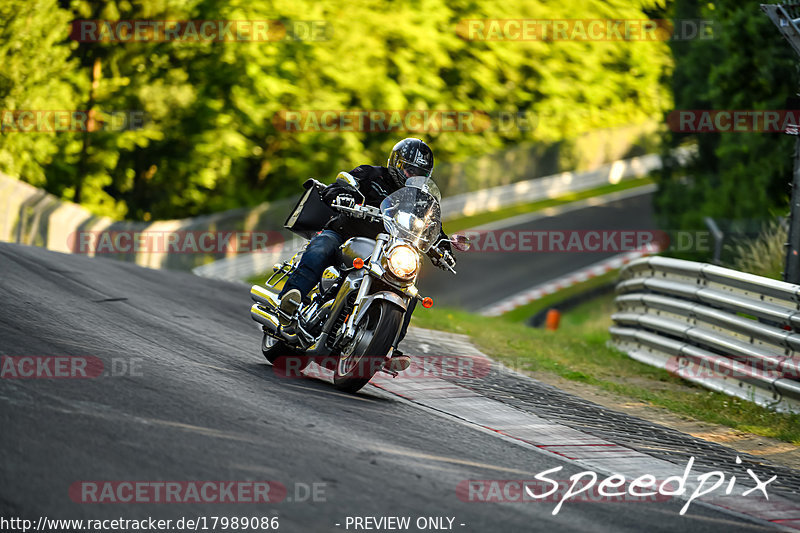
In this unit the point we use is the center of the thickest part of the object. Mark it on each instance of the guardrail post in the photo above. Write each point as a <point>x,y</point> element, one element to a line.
<point>718,237</point>
<point>791,270</point>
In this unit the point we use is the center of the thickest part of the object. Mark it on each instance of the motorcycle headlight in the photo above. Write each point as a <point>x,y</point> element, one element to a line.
<point>403,261</point>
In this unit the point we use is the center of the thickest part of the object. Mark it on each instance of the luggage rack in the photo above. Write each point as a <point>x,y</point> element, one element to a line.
<point>281,271</point>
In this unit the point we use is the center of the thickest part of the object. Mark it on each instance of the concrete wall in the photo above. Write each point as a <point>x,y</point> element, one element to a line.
<point>31,216</point>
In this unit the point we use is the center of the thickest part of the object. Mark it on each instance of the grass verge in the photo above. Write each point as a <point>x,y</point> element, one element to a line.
<point>523,313</point>
<point>577,351</point>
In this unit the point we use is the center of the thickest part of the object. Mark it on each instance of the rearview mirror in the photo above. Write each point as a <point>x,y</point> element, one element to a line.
<point>460,242</point>
<point>345,178</point>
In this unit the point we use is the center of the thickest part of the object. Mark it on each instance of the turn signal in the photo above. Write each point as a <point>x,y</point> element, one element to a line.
<point>358,263</point>
<point>427,303</point>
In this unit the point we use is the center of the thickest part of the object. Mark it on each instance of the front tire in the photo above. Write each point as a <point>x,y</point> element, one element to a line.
<point>365,355</point>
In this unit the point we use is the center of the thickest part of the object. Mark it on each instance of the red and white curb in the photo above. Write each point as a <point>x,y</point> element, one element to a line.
<point>568,280</point>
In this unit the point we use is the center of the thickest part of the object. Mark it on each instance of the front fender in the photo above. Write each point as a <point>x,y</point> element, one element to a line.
<point>388,296</point>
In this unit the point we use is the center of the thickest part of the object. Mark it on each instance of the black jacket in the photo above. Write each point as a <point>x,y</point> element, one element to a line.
<point>375,184</point>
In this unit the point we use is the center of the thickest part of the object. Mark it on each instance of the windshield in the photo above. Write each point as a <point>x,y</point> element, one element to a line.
<point>413,214</point>
<point>426,185</point>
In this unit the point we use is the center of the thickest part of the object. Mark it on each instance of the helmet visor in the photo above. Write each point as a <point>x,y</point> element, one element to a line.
<point>410,170</point>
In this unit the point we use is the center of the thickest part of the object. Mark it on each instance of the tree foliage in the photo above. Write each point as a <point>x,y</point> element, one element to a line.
<point>738,178</point>
<point>211,140</point>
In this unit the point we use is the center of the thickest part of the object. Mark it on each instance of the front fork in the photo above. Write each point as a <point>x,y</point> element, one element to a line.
<point>363,290</point>
<point>412,303</point>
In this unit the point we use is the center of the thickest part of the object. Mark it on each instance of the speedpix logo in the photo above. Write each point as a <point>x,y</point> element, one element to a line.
<point>588,487</point>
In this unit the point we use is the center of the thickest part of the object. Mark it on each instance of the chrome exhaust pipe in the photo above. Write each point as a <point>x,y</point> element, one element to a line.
<point>268,297</point>
<point>265,319</point>
<point>271,323</point>
<point>265,296</point>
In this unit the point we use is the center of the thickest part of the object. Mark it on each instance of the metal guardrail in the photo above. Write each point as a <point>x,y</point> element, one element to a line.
<point>34,217</point>
<point>541,188</point>
<point>729,331</point>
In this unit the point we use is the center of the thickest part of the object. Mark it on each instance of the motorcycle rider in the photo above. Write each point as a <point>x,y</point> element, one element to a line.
<point>409,157</point>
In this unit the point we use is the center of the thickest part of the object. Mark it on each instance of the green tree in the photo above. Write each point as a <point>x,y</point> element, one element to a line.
<point>35,75</point>
<point>211,141</point>
<point>738,178</point>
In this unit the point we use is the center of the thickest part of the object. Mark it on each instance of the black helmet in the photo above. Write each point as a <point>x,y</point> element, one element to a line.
<point>410,157</point>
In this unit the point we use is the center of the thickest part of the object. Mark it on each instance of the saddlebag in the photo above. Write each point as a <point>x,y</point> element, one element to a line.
<point>310,214</point>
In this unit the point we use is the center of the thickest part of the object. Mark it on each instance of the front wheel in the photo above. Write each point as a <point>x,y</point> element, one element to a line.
<point>366,353</point>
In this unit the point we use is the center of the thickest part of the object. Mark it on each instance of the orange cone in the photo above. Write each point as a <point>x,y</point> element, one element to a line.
<point>552,320</point>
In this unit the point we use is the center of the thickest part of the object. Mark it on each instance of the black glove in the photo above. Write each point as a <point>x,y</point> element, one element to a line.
<point>442,261</point>
<point>449,260</point>
<point>445,246</point>
<point>331,192</point>
<point>344,200</point>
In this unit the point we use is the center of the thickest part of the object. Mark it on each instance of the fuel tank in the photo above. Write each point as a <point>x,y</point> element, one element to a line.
<point>355,247</point>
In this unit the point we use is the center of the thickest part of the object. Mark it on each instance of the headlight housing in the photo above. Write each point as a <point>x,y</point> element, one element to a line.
<point>403,261</point>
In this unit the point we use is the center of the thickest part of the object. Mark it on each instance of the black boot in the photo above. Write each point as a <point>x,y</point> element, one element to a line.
<point>289,304</point>
<point>398,362</point>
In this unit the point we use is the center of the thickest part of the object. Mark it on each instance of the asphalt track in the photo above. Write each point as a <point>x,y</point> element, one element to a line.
<point>486,277</point>
<point>202,404</point>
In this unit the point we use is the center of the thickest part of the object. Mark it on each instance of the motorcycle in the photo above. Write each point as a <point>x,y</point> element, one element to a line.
<point>353,317</point>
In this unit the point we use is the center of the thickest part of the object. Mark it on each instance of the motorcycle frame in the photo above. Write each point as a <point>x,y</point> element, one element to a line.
<point>360,280</point>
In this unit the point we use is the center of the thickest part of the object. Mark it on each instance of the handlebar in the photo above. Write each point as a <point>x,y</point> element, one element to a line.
<point>360,211</point>
<point>444,259</point>
<point>369,212</point>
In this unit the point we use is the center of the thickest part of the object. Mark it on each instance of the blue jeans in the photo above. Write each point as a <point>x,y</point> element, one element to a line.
<point>319,255</point>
